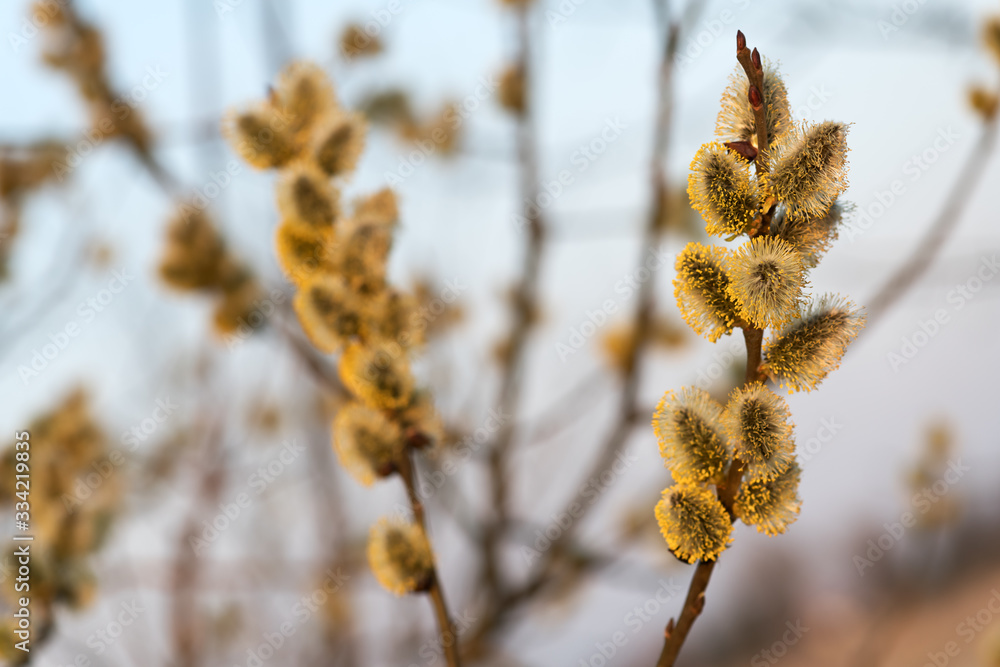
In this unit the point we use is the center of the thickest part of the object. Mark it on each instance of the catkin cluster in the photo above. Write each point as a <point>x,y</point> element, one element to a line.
<point>73,497</point>
<point>196,259</point>
<point>336,257</point>
<point>784,199</point>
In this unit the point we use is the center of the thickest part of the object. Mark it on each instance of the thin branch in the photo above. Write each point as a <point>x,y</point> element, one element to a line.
<point>929,247</point>
<point>627,415</point>
<point>525,308</point>
<point>447,632</point>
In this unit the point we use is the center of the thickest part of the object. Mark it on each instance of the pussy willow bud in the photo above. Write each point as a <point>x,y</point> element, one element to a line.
<point>693,442</point>
<point>302,252</point>
<point>330,313</point>
<point>770,505</point>
<point>759,425</point>
<point>701,290</point>
<point>720,189</point>
<point>306,197</point>
<point>753,94</point>
<point>304,95</point>
<point>400,556</point>
<point>741,41</point>
<point>737,121</point>
<point>366,443</point>
<point>337,143</point>
<point>379,375</point>
<point>755,59</point>
<point>765,280</point>
<point>809,169</point>
<point>807,349</point>
<point>811,237</point>
<point>693,522</point>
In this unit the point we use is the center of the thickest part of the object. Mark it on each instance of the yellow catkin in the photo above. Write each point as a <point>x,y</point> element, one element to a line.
<point>303,252</point>
<point>809,348</point>
<point>759,426</point>
<point>719,188</point>
<point>811,236</point>
<point>766,277</point>
<point>400,556</point>
<point>736,120</point>
<point>337,143</point>
<point>770,505</point>
<point>701,290</point>
<point>809,169</point>
<point>367,444</point>
<point>693,522</point>
<point>689,430</point>
<point>379,375</point>
<point>331,314</point>
<point>303,94</point>
<point>306,197</point>
<point>261,136</point>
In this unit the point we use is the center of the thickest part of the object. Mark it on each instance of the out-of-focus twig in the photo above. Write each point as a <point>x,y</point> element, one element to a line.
<point>524,312</point>
<point>937,234</point>
<point>626,418</point>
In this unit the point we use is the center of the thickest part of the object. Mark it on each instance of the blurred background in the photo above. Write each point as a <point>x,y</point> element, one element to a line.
<point>158,422</point>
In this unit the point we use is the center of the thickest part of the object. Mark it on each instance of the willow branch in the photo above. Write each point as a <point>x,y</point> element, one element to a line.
<point>447,632</point>
<point>675,634</point>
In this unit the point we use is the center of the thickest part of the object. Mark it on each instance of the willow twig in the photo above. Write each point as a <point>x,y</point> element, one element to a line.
<point>525,307</point>
<point>447,632</point>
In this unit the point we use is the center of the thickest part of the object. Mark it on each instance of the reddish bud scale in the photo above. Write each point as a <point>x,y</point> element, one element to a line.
<point>741,41</point>
<point>756,101</point>
<point>755,57</point>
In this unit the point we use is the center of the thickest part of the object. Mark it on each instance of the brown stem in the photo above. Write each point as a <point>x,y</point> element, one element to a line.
<point>447,633</point>
<point>524,307</point>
